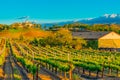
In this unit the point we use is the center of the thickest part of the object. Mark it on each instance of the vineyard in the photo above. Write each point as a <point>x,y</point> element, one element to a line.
<point>21,61</point>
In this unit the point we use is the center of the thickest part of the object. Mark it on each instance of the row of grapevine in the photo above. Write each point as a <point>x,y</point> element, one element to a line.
<point>21,57</point>
<point>88,60</point>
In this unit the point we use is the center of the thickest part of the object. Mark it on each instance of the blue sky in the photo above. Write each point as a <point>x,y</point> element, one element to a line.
<point>55,10</point>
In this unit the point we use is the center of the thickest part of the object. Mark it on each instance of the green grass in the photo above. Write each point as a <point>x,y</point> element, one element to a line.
<point>14,30</point>
<point>1,61</point>
<point>18,30</point>
<point>76,77</point>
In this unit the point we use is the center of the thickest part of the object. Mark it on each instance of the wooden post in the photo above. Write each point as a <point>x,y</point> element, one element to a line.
<point>89,73</point>
<point>109,73</point>
<point>52,69</point>
<point>70,75</point>
<point>56,70</point>
<point>97,74</point>
<point>71,69</point>
<point>117,73</point>
<point>83,71</point>
<point>78,70</point>
<point>61,73</point>
<point>49,66</point>
<point>37,72</point>
<point>65,75</point>
<point>103,70</point>
<point>46,65</point>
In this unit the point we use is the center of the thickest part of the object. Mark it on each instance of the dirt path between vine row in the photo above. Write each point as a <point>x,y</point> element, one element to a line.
<point>45,74</point>
<point>22,72</point>
<point>20,69</point>
<point>8,70</point>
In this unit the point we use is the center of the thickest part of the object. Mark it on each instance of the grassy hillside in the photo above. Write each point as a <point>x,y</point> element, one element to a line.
<point>27,33</point>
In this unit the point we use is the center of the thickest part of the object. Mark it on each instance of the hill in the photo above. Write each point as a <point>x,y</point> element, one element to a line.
<point>26,33</point>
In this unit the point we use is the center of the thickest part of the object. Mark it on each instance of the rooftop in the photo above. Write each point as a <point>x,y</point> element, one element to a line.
<point>90,35</point>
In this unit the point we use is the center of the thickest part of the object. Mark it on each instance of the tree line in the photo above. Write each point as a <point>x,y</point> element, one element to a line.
<point>62,37</point>
<point>86,27</point>
<point>19,25</point>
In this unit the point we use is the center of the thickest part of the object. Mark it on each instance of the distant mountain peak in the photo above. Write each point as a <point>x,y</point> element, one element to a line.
<point>90,18</point>
<point>106,15</point>
<point>111,15</point>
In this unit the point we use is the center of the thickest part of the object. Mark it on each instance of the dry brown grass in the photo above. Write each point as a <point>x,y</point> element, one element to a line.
<point>35,33</point>
<point>44,77</point>
<point>29,33</point>
<point>62,78</point>
<point>8,34</point>
<point>30,76</point>
<point>1,73</point>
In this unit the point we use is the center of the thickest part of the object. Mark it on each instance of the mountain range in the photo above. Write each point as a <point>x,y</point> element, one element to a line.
<point>105,19</point>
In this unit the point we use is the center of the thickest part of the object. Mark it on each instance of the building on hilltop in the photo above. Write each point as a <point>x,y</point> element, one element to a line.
<point>105,40</point>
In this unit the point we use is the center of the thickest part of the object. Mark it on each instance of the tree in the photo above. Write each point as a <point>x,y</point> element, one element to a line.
<point>21,38</point>
<point>16,25</point>
<point>3,27</point>
<point>92,44</point>
<point>78,43</point>
<point>37,26</point>
<point>63,36</point>
<point>34,42</point>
